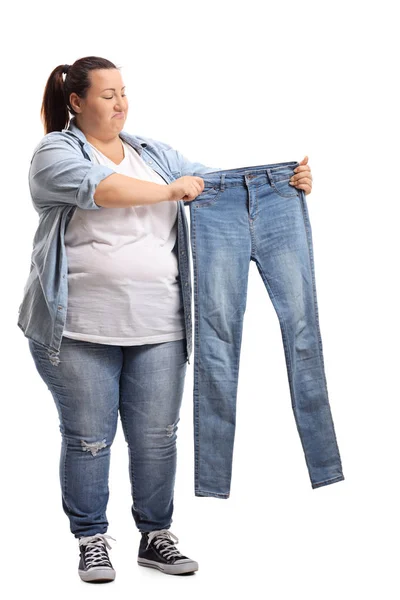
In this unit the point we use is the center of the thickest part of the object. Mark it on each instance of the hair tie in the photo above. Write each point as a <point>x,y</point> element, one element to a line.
<point>65,69</point>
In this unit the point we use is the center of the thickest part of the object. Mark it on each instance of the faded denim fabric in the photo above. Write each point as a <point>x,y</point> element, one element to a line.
<point>244,214</point>
<point>143,384</point>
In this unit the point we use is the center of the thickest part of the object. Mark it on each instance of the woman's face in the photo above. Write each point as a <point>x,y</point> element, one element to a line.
<point>103,112</point>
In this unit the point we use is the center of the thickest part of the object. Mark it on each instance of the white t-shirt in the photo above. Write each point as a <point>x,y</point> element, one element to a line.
<point>123,268</point>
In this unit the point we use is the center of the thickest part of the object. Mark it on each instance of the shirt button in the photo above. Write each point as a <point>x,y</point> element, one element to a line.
<point>150,162</point>
<point>186,283</point>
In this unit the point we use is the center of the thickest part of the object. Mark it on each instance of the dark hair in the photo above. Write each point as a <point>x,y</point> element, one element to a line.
<point>55,105</point>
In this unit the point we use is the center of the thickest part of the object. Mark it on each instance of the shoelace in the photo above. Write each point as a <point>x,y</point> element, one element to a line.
<point>95,553</point>
<point>164,544</point>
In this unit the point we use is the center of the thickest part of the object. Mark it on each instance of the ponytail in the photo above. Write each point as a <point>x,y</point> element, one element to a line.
<point>55,107</point>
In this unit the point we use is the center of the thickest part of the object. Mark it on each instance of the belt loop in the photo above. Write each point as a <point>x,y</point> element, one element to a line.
<point>269,176</point>
<point>222,181</point>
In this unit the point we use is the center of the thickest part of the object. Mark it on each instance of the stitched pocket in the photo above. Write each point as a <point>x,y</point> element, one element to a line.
<point>280,184</point>
<point>208,197</point>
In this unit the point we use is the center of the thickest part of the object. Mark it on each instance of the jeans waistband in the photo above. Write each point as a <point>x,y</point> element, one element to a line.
<point>228,177</point>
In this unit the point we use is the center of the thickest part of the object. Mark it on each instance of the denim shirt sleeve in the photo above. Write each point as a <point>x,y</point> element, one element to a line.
<point>187,167</point>
<point>59,174</point>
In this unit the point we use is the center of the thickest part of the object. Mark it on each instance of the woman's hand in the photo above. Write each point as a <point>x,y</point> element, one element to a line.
<point>185,188</point>
<point>302,178</point>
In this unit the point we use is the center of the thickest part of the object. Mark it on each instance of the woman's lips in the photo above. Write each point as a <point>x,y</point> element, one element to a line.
<point>119,116</point>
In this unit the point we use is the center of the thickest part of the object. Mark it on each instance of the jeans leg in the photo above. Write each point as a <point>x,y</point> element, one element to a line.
<point>221,248</point>
<point>85,388</point>
<point>284,257</point>
<point>151,390</point>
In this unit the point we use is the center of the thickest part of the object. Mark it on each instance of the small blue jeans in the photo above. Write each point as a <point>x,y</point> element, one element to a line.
<point>91,384</point>
<point>244,214</point>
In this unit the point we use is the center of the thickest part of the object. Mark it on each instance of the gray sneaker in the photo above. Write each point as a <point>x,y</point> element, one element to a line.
<point>94,564</point>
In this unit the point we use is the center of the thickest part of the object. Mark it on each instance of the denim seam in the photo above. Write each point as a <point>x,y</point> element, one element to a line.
<point>64,481</point>
<point>55,320</point>
<point>311,262</point>
<point>185,294</point>
<point>253,248</point>
<point>196,353</point>
<point>307,227</point>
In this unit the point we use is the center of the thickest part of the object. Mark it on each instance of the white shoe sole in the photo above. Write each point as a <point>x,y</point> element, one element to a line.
<point>189,566</point>
<point>99,575</point>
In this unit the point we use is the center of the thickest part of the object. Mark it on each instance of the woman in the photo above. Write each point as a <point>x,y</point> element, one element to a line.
<point>124,275</point>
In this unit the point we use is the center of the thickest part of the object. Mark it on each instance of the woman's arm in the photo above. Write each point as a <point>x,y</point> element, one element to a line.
<point>59,174</point>
<point>120,191</point>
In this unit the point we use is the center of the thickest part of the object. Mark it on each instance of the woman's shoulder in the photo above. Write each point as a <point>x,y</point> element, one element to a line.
<point>59,139</point>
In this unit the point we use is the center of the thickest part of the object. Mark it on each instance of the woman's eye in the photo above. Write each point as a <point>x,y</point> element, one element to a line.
<point>106,98</point>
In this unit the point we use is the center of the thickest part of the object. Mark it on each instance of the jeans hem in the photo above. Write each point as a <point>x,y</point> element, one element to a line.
<point>86,534</point>
<point>327,481</point>
<point>203,493</point>
<point>154,529</point>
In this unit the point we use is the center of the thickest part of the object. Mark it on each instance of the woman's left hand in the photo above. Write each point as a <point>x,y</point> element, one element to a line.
<point>302,179</point>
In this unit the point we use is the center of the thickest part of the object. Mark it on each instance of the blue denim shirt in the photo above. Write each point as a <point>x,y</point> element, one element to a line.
<point>62,176</point>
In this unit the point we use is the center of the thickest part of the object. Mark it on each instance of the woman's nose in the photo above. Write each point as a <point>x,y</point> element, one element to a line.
<point>121,103</point>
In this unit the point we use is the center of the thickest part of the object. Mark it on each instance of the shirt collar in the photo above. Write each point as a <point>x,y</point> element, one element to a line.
<point>127,137</point>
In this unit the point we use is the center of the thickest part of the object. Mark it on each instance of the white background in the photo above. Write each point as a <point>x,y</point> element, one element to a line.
<point>230,84</point>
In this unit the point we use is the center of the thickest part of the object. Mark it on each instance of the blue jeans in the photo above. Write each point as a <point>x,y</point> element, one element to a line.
<point>253,213</point>
<point>89,386</point>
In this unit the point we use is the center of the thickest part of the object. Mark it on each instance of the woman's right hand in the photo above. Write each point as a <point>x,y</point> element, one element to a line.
<point>186,188</point>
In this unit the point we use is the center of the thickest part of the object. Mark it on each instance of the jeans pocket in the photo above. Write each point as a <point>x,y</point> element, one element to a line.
<point>280,184</point>
<point>208,197</point>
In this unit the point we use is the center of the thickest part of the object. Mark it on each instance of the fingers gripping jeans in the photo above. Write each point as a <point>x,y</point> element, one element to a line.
<point>253,213</point>
<point>92,383</point>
